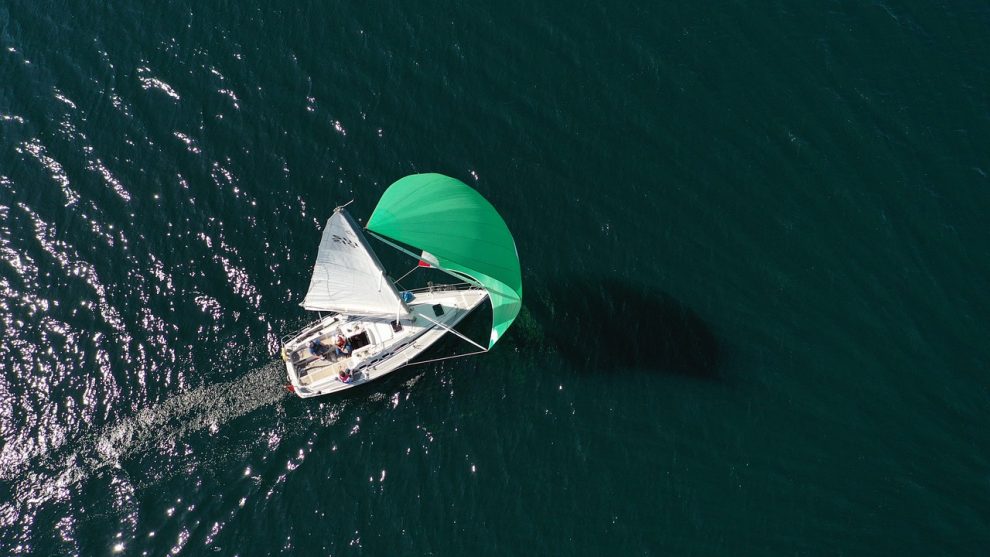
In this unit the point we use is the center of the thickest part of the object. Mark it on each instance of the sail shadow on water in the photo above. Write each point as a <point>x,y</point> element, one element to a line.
<point>609,325</point>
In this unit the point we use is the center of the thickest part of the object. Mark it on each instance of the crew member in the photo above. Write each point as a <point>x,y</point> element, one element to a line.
<point>319,349</point>
<point>343,347</point>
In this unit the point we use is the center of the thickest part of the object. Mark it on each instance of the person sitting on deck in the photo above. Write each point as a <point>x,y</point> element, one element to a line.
<point>344,376</point>
<point>319,349</point>
<point>343,347</point>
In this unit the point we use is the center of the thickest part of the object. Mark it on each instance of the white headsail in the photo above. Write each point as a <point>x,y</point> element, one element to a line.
<point>348,277</point>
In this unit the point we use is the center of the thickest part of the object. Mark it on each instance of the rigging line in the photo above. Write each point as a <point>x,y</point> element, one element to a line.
<point>406,275</point>
<point>416,257</point>
<point>392,244</point>
<point>445,358</point>
<point>449,330</point>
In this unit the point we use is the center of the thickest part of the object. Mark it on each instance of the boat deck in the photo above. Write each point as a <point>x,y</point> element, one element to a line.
<point>313,367</point>
<point>320,370</point>
<point>392,345</point>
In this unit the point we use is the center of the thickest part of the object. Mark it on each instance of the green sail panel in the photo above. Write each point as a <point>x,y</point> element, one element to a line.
<point>461,229</point>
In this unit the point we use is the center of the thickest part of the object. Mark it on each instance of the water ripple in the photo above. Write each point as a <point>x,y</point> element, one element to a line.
<point>148,81</point>
<point>37,151</point>
<point>118,188</point>
<point>189,142</point>
<point>70,261</point>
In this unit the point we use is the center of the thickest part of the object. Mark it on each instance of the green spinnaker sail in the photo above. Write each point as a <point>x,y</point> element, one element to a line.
<point>461,229</point>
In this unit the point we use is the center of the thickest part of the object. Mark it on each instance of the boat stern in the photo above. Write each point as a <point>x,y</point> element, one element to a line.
<point>294,385</point>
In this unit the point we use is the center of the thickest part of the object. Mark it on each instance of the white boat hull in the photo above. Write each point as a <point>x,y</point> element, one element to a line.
<point>379,346</point>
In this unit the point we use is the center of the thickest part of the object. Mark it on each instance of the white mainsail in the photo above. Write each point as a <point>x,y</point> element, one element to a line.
<point>348,277</point>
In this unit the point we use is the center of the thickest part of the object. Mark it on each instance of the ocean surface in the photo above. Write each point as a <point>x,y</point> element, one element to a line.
<point>755,252</point>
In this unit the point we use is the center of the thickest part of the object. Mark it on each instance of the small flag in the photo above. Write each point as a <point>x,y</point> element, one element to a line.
<point>427,259</point>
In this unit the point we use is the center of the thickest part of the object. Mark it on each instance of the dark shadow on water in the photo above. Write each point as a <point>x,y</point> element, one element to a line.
<point>610,325</point>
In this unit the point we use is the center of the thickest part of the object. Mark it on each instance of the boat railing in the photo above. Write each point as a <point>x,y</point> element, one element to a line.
<point>314,324</point>
<point>445,287</point>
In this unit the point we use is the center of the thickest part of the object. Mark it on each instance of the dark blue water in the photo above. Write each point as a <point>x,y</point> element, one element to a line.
<point>754,250</point>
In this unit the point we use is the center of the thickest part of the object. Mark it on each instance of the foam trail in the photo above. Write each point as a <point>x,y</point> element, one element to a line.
<point>208,406</point>
<point>50,475</point>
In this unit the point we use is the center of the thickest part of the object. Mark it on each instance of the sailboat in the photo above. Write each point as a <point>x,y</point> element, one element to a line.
<point>372,327</point>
